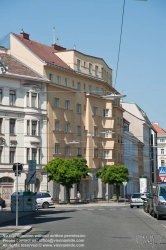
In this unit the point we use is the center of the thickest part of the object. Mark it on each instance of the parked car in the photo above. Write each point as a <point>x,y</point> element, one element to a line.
<point>136,201</point>
<point>2,203</point>
<point>159,201</point>
<point>44,199</point>
<point>147,198</point>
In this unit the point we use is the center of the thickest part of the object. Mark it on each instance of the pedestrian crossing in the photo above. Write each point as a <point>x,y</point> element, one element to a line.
<point>93,209</point>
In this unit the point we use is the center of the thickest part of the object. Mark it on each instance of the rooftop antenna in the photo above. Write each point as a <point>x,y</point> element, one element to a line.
<point>54,39</point>
<point>57,41</point>
<point>74,46</point>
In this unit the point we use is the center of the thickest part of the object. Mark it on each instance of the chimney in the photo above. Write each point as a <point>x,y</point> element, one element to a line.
<point>58,47</point>
<point>24,35</point>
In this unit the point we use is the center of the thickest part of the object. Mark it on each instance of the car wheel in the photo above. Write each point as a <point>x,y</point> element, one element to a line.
<point>159,216</point>
<point>147,210</point>
<point>45,205</point>
<point>154,214</point>
<point>131,206</point>
<point>137,206</point>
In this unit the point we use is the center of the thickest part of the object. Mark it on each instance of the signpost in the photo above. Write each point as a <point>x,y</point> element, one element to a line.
<point>124,184</point>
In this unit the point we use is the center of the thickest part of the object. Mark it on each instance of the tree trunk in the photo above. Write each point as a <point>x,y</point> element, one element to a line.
<point>68,195</point>
<point>117,193</point>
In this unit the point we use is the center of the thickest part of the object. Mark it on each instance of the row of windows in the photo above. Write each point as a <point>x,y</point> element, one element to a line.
<point>33,127</point>
<point>34,97</point>
<point>35,155</point>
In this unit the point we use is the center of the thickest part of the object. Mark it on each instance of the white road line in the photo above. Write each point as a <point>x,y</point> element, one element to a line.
<point>112,208</point>
<point>124,208</point>
<point>90,209</point>
<point>163,225</point>
<point>101,208</point>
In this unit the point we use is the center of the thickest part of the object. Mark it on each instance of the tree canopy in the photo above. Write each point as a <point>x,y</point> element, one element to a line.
<point>67,172</point>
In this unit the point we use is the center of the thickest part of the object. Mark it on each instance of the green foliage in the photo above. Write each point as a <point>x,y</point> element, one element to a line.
<point>113,175</point>
<point>67,172</point>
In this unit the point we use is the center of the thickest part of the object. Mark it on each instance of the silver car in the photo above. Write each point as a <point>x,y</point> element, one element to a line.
<point>159,201</point>
<point>44,199</point>
<point>136,201</point>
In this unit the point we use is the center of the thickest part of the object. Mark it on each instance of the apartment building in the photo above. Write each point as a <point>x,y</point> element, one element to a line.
<point>83,119</point>
<point>23,124</point>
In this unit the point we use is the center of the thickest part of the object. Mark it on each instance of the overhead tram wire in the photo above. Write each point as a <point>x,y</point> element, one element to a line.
<point>119,43</point>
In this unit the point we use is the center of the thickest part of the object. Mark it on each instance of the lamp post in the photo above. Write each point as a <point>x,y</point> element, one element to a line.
<point>124,184</point>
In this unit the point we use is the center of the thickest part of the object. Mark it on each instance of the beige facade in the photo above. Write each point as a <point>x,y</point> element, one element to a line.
<point>77,112</point>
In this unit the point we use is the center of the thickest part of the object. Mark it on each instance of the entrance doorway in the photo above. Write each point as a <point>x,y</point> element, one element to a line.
<point>6,187</point>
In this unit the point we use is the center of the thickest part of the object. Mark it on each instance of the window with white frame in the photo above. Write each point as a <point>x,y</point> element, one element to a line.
<point>67,150</point>
<point>95,131</point>
<point>34,154</point>
<point>57,125</point>
<point>97,90</point>
<point>1,148</point>
<point>105,134</point>
<point>162,140</point>
<point>78,130</point>
<point>105,112</point>
<point>95,110</point>
<point>34,101</point>
<point>78,64</point>
<point>56,149</point>
<point>12,126</point>
<point>34,128</point>
<point>28,127</point>
<point>0,95</point>
<point>162,162</point>
<point>66,82</point>
<point>90,68</point>
<point>78,108</point>
<point>162,151</point>
<point>96,70</point>
<point>56,102</point>
<point>90,88</point>
<point>1,122</point>
<point>12,97</point>
<point>79,86</point>
<point>67,127</point>
<point>12,155</point>
<point>51,77</point>
<point>67,104</point>
<point>27,99</point>
<point>58,79</point>
<point>95,152</point>
<point>28,154</point>
<point>106,154</point>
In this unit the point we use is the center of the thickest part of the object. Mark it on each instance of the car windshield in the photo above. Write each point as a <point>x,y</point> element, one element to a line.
<point>136,195</point>
<point>162,191</point>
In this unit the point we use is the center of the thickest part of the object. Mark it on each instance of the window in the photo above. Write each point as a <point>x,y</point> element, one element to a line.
<point>95,131</point>
<point>56,102</point>
<point>90,88</point>
<point>39,156</point>
<point>67,127</point>
<point>79,86</point>
<point>1,121</point>
<point>106,154</point>
<point>162,151</point>
<point>78,108</point>
<point>66,82</point>
<point>67,104</point>
<point>56,149</point>
<point>12,126</point>
<point>105,134</point>
<point>90,68</point>
<point>162,162</point>
<point>50,77</point>
<point>27,99</point>
<point>95,110</point>
<point>34,127</point>
<point>12,97</point>
<point>96,70</point>
<point>1,148</point>
<point>34,154</point>
<point>96,152</point>
<point>97,90</point>
<point>78,130</point>
<point>67,150</point>
<point>162,140</point>
<point>58,79</point>
<point>0,95</point>
<point>28,127</point>
<point>34,100</point>
<point>28,154</point>
<point>102,75</point>
<point>84,64</point>
<point>78,151</point>
<point>78,64</point>
<point>105,112</point>
<point>56,125</point>
<point>12,155</point>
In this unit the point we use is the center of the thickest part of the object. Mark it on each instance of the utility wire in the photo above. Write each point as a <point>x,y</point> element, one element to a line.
<point>119,43</point>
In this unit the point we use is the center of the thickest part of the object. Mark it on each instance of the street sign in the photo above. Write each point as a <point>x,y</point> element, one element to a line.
<point>162,178</point>
<point>124,183</point>
<point>43,173</point>
<point>31,176</point>
<point>19,168</point>
<point>162,170</point>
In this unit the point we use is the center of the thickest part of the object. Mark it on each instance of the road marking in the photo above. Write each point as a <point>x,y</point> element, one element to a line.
<point>90,209</point>
<point>163,225</point>
<point>101,208</point>
<point>112,208</point>
<point>124,208</point>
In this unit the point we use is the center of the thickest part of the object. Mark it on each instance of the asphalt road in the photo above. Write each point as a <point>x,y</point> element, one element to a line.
<point>99,228</point>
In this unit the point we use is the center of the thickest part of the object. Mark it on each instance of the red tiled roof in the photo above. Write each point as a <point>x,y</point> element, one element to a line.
<point>158,129</point>
<point>45,52</point>
<point>15,67</point>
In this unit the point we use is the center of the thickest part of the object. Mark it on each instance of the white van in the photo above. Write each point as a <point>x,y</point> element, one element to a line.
<point>159,200</point>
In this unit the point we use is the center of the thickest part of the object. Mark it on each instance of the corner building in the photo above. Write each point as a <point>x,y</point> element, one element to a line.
<point>77,110</point>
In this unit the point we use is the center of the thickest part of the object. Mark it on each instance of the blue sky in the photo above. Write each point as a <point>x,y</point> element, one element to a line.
<point>93,26</point>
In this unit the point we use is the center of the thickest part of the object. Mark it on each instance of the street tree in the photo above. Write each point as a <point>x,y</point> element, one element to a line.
<point>67,172</point>
<point>113,175</point>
